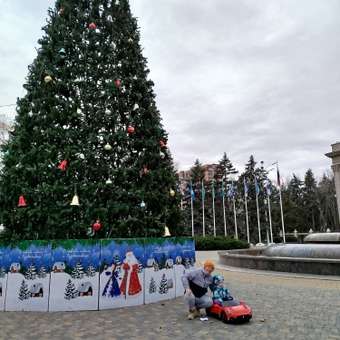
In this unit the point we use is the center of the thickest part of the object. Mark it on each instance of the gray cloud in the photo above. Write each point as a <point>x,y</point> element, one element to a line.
<point>246,77</point>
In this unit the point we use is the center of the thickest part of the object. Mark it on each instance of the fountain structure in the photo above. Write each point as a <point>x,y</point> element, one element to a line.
<point>319,254</point>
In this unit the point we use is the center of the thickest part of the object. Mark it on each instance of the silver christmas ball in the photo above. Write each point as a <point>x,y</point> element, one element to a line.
<point>108,147</point>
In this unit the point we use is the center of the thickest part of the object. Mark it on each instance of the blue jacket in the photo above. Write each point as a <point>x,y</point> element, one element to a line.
<point>221,294</point>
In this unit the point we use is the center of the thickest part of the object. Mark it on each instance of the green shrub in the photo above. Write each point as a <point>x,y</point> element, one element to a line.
<point>219,243</point>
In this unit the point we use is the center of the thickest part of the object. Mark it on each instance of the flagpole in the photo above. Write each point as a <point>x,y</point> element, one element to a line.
<point>258,217</point>
<point>270,219</point>
<point>235,219</point>
<point>213,198</point>
<point>192,211</point>
<point>203,215</point>
<point>224,215</point>
<point>246,207</point>
<point>192,218</point>
<point>234,208</point>
<point>282,220</point>
<point>281,207</point>
<point>258,210</point>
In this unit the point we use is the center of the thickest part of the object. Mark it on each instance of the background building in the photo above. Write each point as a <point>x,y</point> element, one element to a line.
<point>5,127</point>
<point>209,171</point>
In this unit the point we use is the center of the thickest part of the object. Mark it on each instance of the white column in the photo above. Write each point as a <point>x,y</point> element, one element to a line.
<point>335,156</point>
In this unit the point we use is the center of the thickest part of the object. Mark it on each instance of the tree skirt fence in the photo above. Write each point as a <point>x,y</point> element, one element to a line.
<point>72,275</point>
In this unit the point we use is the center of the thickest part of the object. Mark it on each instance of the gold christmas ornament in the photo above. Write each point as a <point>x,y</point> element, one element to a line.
<point>48,79</point>
<point>166,232</point>
<point>172,193</point>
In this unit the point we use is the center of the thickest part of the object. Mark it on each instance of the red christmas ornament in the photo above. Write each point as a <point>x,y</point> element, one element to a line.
<point>162,143</point>
<point>22,202</point>
<point>96,226</point>
<point>63,165</point>
<point>130,130</point>
<point>118,82</point>
<point>92,26</point>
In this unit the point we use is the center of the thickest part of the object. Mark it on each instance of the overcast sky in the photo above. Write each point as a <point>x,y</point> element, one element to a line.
<point>246,77</point>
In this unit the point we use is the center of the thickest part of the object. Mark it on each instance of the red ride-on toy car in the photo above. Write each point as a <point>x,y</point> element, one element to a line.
<point>231,311</point>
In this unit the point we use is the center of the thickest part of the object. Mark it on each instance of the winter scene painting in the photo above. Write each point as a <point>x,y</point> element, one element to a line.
<point>74,275</point>
<point>160,255</point>
<point>122,273</point>
<point>184,261</point>
<point>28,282</point>
<point>4,266</point>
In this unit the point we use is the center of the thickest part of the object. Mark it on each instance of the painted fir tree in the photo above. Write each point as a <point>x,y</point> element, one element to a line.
<point>163,285</point>
<point>186,262</point>
<point>90,271</point>
<point>31,273</point>
<point>70,291</point>
<point>140,267</point>
<point>118,263</point>
<point>24,293</point>
<point>156,266</point>
<point>78,271</point>
<point>152,286</point>
<point>88,124</point>
<point>2,272</point>
<point>42,272</point>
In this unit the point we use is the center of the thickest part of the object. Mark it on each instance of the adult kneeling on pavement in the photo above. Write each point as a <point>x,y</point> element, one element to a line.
<point>196,285</point>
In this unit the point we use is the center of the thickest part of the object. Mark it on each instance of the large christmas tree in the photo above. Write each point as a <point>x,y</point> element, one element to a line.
<point>88,126</point>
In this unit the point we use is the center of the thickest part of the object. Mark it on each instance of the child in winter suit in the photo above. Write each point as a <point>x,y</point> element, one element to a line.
<point>220,293</point>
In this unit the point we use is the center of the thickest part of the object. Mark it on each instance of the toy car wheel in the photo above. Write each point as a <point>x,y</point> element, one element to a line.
<point>224,317</point>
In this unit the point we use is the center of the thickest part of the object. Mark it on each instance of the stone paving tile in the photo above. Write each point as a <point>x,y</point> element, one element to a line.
<point>284,308</point>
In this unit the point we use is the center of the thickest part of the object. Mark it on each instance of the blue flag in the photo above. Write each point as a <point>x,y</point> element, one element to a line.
<point>203,191</point>
<point>192,192</point>
<point>268,188</point>
<point>257,188</point>
<point>231,191</point>
<point>222,189</point>
<point>245,185</point>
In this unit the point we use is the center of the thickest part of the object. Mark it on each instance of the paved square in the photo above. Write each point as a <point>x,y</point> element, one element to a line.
<point>284,308</point>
